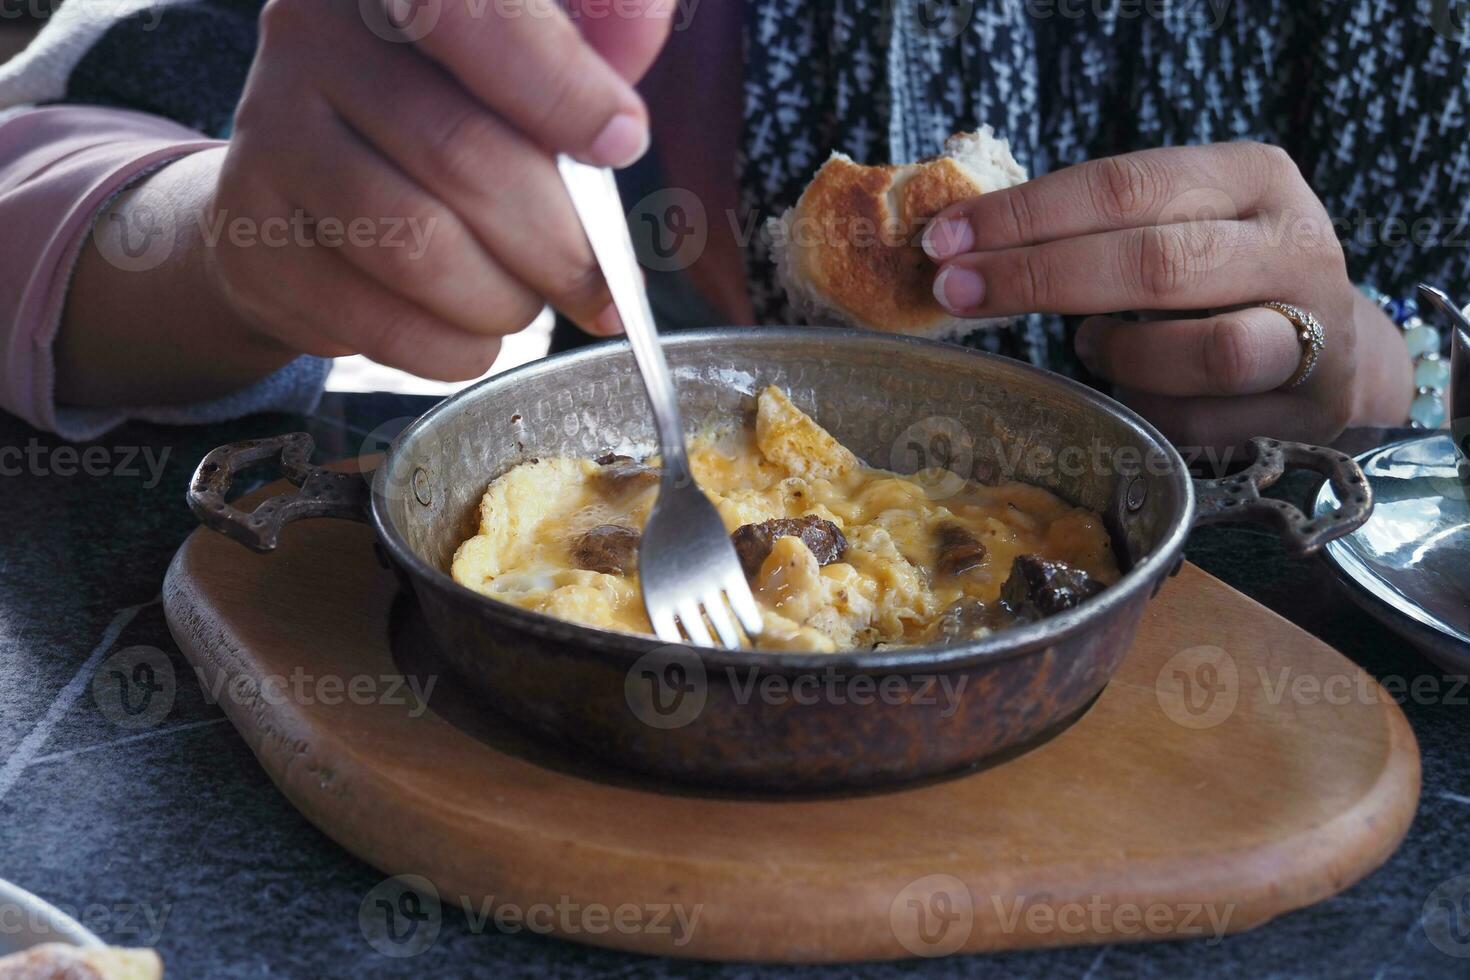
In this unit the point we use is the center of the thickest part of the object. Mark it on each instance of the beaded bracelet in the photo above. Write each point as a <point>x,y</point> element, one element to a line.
<point>1431,370</point>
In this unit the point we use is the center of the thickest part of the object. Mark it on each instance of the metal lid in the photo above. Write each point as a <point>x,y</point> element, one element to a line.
<point>1413,555</point>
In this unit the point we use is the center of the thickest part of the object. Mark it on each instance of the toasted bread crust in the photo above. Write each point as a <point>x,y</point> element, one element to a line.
<point>861,256</point>
<point>57,961</point>
<point>932,187</point>
<point>852,245</point>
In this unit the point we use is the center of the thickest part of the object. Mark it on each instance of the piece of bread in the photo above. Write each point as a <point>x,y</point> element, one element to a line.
<point>848,253</point>
<point>57,961</point>
<point>790,438</point>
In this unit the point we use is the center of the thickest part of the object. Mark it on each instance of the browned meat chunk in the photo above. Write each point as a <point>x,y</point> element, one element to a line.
<point>624,474</point>
<point>753,541</point>
<point>1038,588</point>
<point>609,548</point>
<point>959,550</point>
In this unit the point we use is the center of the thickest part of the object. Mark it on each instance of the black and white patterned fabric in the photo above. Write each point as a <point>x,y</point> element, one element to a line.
<point>1371,97</point>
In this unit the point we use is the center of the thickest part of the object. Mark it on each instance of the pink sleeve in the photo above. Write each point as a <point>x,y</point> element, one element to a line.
<point>58,167</point>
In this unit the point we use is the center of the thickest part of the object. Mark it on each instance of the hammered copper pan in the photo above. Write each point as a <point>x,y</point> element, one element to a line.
<point>779,721</point>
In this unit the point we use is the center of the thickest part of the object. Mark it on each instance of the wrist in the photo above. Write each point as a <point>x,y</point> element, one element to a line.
<point>243,324</point>
<point>1385,373</point>
<point>157,332</point>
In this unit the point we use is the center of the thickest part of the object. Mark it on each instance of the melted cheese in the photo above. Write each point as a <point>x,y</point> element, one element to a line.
<point>884,590</point>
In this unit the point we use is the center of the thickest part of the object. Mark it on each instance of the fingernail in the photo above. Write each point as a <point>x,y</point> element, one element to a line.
<point>947,238</point>
<point>959,290</point>
<point>607,323</point>
<point>622,141</point>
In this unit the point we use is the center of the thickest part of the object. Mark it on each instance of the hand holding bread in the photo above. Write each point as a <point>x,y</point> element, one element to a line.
<point>1195,239</point>
<point>848,253</point>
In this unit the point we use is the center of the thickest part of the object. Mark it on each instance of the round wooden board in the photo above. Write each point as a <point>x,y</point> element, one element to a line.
<point>1208,789</point>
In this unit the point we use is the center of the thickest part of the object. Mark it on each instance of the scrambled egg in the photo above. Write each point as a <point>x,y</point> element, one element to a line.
<point>889,586</point>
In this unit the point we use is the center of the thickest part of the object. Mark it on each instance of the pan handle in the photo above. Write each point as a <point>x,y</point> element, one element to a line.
<point>1238,497</point>
<point>320,493</point>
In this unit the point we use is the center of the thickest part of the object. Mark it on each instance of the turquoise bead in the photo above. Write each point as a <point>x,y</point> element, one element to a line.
<point>1422,339</point>
<point>1378,296</point>
<point>1427,411</point>
<point>1431,372</point>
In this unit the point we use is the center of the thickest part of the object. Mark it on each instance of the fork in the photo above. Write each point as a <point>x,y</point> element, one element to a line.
<point>686,561</point>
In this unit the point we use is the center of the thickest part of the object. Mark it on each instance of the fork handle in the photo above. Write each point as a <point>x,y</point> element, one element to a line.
<point>594,193</point>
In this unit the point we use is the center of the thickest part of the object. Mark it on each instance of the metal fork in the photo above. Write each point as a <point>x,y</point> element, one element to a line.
<point>685,560</point>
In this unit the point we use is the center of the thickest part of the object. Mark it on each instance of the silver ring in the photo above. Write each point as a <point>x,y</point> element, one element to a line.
<point>1309,334</point>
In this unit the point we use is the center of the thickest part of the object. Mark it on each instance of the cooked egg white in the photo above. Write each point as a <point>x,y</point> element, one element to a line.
<point>885,589</point>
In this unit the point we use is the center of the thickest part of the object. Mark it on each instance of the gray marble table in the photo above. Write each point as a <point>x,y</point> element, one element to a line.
<point>172,836</point>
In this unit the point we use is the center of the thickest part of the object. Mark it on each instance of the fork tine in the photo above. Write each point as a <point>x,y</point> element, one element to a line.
<point>664,626</point>
<point>719,616</point>
<point>693,623</point>
<point>745,608</point>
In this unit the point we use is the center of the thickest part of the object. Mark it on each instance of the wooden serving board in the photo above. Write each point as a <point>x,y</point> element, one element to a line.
<point>1207,790</point>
